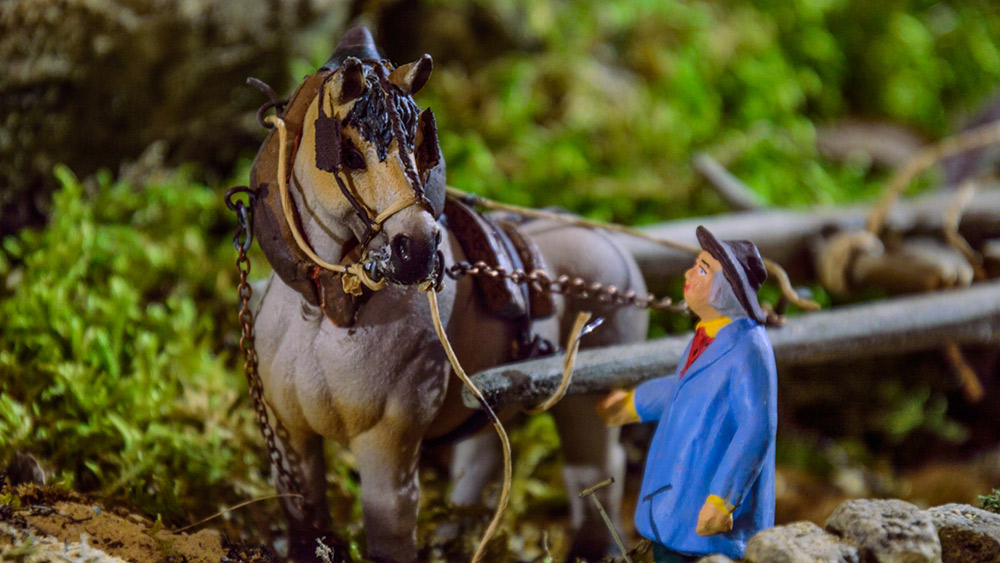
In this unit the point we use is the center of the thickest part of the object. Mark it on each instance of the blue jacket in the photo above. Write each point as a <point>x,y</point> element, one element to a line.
<point>715,436</point>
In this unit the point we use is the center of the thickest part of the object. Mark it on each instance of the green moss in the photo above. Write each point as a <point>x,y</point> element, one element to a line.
<point>114,367</point>
<point>991,501</point>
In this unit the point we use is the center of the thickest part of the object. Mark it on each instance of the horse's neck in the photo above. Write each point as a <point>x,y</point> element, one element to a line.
<point>325,235</point>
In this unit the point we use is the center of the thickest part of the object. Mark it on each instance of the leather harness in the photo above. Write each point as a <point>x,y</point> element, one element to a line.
<point>497,243</point>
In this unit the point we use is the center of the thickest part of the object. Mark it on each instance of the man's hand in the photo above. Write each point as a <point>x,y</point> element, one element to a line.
<point>713,520</point>
<point>617,409</point>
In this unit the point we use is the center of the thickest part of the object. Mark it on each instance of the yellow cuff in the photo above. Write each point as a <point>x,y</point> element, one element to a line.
<point>721,504</point>
<point>630,405</point>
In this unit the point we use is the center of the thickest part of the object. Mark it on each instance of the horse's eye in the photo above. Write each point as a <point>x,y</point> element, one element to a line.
<point>353,159</point>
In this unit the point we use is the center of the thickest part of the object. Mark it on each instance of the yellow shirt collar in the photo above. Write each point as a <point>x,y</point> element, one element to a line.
<point>713,326</point>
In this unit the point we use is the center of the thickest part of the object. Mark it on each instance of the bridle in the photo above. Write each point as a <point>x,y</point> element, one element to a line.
<point>328,158</point>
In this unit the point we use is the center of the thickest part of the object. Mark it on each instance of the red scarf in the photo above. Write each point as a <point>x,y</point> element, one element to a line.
<point>698,345</point>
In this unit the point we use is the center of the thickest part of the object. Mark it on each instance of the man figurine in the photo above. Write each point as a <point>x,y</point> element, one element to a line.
<point>709,479</point>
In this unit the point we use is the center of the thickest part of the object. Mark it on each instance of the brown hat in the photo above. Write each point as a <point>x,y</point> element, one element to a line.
<point>742,266</point>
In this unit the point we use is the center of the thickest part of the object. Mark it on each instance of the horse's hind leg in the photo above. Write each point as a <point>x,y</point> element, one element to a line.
<point>592,454</point>
<point>309,520</point>
<point>476,461</point>
<point>591,450</point>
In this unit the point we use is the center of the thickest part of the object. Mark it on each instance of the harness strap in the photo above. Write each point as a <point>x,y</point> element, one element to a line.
<point>396,206</point>
<point>353,270</point>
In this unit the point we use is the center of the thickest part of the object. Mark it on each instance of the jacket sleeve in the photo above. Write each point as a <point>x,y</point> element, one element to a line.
<point>753,397</point>
<point>653,397</point>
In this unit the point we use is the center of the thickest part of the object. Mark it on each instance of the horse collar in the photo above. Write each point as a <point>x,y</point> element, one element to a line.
<point>318,286</point>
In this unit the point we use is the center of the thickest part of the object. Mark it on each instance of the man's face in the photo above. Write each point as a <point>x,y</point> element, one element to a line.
<point>698,285</point>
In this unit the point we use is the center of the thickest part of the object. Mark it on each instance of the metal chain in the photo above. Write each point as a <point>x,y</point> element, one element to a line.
<point>287,474</point>
<point>571,287</point>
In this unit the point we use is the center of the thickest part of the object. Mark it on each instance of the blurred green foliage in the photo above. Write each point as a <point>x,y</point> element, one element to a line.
<point>113,365</point>
<point>602,112</point>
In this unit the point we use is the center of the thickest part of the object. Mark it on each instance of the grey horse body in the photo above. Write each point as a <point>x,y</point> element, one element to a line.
<point>378,387</point>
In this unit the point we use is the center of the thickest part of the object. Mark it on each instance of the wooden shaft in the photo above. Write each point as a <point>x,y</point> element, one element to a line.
<point>888,327</point>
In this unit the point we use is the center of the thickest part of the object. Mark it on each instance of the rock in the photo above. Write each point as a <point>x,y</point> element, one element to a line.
<point>967,534</point>
<point>715,558</point>
<point>801,542</point>
<point>887,531</point>
<point>92,84</point>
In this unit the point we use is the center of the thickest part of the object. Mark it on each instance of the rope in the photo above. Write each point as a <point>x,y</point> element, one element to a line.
<point>427,288</point>
<point>354,270</point>
<point>971,387</point>
<point>972,139</point>
<point>235,507</point>
<point>569,362</point>
<point>773,268</point>
<point>572,220</point>
<point>952,219</point>
<point>779,275</point>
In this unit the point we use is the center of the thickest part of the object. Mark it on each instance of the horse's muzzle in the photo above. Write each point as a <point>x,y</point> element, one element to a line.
<point>412,259</point>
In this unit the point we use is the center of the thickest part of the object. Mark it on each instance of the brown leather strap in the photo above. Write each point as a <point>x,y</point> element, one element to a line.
<point>321,288</point>
<point>482,242</point>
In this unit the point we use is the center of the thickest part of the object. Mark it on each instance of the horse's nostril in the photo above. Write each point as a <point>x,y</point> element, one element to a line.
<point>401,247</point>
<point>412,258</point>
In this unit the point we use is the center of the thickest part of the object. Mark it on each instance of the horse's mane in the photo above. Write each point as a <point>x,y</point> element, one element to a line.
<point>372,117</point>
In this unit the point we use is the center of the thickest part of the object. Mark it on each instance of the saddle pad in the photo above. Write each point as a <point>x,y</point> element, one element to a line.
<point>540,298</point>
<point>482,241</point>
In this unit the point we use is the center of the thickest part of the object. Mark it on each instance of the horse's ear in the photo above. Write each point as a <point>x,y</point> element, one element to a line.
<point>430,165</point>
<point>352,79</point>
<point>410,78</point>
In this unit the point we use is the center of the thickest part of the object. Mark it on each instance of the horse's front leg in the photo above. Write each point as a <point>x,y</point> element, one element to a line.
<point>308,517</point>
<point>387,461</point>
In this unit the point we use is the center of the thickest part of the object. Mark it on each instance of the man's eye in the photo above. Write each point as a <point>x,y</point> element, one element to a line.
<point>702,270</point>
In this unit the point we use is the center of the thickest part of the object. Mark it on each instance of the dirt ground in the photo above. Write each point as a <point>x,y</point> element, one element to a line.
<point>40,523</point>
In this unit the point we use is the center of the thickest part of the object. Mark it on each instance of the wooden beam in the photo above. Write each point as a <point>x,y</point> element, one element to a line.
<point>787,236</point>
<point>888,327</point>
<point>737,195</point>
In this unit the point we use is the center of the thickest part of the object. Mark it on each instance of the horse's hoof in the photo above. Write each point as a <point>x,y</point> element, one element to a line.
<point>316,547</point>
<point>592,546</point>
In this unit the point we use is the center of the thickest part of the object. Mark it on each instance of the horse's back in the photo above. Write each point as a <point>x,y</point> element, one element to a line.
<point>595,257</point>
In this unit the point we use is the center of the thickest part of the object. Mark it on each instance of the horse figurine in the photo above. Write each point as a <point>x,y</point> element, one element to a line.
<point>350,210</point>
